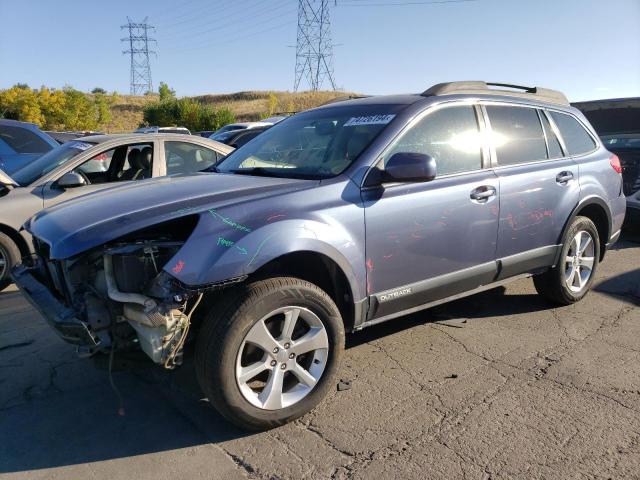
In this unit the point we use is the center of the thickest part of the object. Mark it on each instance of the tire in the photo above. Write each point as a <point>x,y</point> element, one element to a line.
<point>9,256</point>
<point>568,282</point>
<point>226,345</point>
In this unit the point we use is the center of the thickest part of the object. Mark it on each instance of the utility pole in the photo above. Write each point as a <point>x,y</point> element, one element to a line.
<point>138,42</point>
<point>314,50</point>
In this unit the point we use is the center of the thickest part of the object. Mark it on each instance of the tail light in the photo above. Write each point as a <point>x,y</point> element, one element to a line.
<point>615,163</point>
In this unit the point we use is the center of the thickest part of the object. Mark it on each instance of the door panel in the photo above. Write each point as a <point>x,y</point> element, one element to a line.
<point>110,168</point>
<point>537,195</point>
<point>417,233</point>
<point>535,204</point>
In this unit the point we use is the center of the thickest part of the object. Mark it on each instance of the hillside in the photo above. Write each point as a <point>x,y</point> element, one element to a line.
<point>126,111</point>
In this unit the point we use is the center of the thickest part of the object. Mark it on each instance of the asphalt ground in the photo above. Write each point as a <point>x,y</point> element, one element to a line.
<point>498,385</point>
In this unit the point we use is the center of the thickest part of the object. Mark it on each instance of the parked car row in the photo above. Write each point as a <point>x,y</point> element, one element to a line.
<point>20,143</point>
<point>88,165</point>
<point>338,218</point>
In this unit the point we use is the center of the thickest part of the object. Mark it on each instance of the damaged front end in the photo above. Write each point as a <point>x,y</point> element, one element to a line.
<point>114,297</point>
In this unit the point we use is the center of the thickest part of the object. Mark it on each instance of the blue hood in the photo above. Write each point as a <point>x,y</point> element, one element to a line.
<point>86,222</point>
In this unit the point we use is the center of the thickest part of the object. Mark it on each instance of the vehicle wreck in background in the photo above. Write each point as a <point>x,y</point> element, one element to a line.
<point>338,218</point>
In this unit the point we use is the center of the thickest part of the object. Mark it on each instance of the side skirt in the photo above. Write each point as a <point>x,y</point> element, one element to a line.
<point>408,311</point>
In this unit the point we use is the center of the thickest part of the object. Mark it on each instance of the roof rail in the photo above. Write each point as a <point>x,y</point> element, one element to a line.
<point>343,99</point>
<point>482,88</point>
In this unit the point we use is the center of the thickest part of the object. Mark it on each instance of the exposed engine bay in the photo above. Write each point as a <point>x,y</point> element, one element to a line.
<point>122,294</point>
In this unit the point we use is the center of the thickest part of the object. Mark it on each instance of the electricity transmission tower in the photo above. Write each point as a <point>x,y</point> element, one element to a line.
<point>138,41</point>
<point>314,50</point>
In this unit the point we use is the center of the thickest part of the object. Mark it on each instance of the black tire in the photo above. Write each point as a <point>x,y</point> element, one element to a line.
<point>10,252</point>
<point>225,328</point>
<point>551,284</point>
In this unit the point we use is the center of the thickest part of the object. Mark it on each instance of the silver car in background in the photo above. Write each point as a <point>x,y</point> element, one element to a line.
<point>87,165</point>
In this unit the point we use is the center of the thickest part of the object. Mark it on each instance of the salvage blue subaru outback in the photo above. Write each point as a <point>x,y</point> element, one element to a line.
<point>337,218</point>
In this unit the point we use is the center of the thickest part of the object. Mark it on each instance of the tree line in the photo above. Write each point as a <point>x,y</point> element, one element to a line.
<point>71,109</point>
<point>57,109</point>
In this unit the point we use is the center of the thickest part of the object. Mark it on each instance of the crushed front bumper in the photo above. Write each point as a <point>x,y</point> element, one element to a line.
<point>61,318</point>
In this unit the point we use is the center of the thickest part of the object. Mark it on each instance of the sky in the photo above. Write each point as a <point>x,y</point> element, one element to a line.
<point>589,49</point>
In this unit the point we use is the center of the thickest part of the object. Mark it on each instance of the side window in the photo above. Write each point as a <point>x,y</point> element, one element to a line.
<point>449,135</point>
<point>22,140</point>
<point>137,163</point>
<point>575,137</point>
<point>555,150</point>
<point>120,164</point>
<point>516,134</point>
<point>98,164</point>
<point>184,157</point>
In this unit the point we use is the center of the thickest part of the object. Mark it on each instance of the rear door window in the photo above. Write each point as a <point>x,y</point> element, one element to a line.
<point>185,157</point>
<point>516,134</point>
<point>23,140</point>
<point>575,136</point>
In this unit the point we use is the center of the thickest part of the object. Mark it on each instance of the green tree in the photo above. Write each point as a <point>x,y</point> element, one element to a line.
<point>103,109</point>
<point>165,92</point>
<point>21,103</point>
<point>273,103</point>
<point>223,116</point>
<point>99,90</point>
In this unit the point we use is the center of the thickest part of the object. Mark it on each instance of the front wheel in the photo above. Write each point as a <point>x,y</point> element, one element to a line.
<point>572,278</point>
<point>9,256</point>
<point>268,354</point>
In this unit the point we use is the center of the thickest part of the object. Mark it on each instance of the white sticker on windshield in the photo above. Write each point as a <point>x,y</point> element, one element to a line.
<point>81,145</point>
<point>369,120</point>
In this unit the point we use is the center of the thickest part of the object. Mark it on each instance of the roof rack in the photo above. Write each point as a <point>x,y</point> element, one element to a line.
<point>343,99</point>
<point>483,88</point>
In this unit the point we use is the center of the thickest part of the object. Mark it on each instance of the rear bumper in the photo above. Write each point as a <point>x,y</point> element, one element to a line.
<point>61,318</point>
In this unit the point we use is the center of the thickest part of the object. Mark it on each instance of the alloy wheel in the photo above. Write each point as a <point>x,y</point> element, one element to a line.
<point>282,358</point>
<point>579,261</point>
<point>4,263</point>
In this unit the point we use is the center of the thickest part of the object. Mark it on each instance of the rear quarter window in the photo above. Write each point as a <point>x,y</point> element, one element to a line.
<point>575,136</point>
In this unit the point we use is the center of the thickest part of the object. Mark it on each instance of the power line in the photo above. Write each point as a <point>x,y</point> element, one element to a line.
<point>314,50</point>
<point>207,14</point>
<point>230,24</point>
<point>234,39</point>
<point>138,41</point>
<point>356,3</point>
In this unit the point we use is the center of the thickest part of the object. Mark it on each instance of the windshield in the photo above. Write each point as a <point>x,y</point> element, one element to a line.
<point>229,128</point>
<point>224,136</point>
<point>49,162</point>
<point>612,141</point>
<point>317,144</point>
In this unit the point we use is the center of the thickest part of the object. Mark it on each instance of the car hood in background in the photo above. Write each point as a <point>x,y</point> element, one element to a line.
<point>612,116</point>
<point>86,222</point>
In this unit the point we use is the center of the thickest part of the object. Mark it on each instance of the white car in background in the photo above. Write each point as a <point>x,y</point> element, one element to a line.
<point>220,134</point>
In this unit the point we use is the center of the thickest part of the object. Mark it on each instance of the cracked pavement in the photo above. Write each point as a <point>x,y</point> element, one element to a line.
<point>500,385</point>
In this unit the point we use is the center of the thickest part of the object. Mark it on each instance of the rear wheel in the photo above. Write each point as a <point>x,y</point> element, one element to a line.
<point>572,278</point>
<point>9,256</point>
<point>269,353</point>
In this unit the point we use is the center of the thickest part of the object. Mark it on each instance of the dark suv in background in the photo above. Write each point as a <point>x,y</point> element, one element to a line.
<point>337,218</point>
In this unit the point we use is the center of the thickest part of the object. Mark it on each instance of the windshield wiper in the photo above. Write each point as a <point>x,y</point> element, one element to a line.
<point>257,171</point>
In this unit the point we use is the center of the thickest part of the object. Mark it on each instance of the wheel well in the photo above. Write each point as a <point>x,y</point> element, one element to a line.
<point>17,239</point>
<point>599,217</point>
<point>319,270</point>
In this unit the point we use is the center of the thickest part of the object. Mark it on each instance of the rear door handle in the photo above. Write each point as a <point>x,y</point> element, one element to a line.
<point>563,178</point>
<point>482,194</point>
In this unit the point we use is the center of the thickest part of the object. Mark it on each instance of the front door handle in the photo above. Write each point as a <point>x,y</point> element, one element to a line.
<point>563,178</point>
<point>482,194</point>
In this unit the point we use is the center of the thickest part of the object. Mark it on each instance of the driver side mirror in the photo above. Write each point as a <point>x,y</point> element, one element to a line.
<point>70,180</point>
<point>410,167</point>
